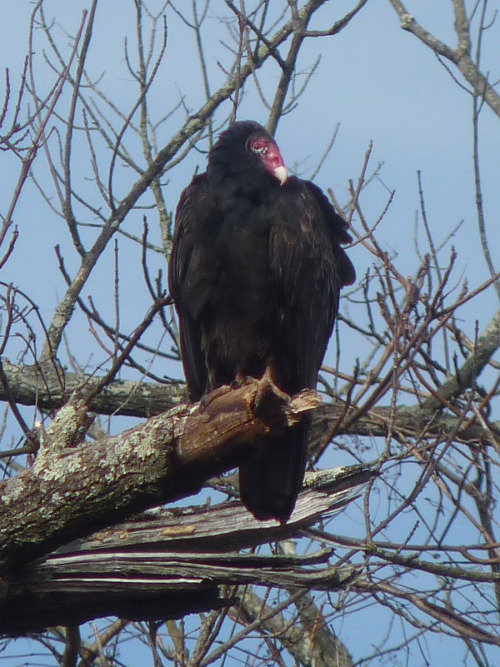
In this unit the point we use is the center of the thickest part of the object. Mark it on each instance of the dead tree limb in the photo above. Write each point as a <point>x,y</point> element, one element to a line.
<point>170,562</point>
<point>71,490</point>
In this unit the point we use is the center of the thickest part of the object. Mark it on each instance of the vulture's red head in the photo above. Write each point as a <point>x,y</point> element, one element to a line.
<point>248,151</point>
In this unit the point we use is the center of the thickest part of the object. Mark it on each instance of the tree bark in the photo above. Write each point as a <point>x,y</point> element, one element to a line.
<point>71,490</point>
<point>49,387</point>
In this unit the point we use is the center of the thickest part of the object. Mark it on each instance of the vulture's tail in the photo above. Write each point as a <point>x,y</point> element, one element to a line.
<point>270,484</point>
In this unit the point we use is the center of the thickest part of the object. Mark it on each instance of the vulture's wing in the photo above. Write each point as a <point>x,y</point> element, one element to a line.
<point>308,268</point>
<point>185,283</point>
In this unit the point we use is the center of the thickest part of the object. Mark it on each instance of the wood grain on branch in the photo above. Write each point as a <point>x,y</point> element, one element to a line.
<point>166,563</point>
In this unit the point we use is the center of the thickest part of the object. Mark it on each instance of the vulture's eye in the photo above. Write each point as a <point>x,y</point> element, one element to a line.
<point>259,146</point>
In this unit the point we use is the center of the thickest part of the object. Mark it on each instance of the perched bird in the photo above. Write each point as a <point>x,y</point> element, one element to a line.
<point>255,272</point>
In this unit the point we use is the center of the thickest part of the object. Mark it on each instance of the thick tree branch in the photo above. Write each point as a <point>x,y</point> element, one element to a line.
<point>487,345</point>
<point>306,649</point>
<point>49,388</point>
<point>71,491</point>
<point>165,561</point>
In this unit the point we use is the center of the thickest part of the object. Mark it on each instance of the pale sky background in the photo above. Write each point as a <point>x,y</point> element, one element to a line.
<point>378,82</point>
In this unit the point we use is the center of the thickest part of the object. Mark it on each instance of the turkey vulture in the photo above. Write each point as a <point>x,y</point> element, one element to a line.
<point>255,273</point>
